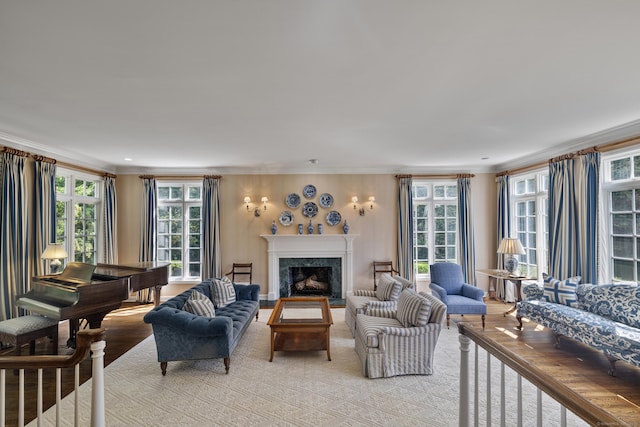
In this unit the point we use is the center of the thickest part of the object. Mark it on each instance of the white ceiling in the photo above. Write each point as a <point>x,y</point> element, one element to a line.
<point>368,86</point>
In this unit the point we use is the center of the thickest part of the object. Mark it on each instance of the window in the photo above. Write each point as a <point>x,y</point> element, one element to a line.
<point>435,224</point>
<point>621,190</point>
<point>530,198</point>
<point>179,229</point>
<point>78,204</point>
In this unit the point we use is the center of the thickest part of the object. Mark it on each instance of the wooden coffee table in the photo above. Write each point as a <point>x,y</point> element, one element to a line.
<point>301,324</point>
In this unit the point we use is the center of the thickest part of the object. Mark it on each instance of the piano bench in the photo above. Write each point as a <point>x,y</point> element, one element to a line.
<point>26,329</point>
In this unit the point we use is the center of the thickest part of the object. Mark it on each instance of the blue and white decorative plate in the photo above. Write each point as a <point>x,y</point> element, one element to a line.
<point>286,218</point>
<point>292,200</point>
<point>309,191</point>
<point>326,200</point>
<point>334,218</point>
<point>310,209</point>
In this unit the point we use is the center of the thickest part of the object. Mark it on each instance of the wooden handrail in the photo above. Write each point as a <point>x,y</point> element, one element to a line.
<point>566,396</point>
<point>84,339</point>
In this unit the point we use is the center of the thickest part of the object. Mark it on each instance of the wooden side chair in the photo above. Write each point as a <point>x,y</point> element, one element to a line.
<point>241,269</point>
<point>380,267</point>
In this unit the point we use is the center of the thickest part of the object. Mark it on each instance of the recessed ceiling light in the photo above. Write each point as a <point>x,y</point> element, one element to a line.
<point>128,159</point>
<point>313,161</point>
<point>484,158</point>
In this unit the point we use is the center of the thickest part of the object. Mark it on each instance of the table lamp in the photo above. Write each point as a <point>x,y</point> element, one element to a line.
<point>511,246</point>
<point>54,252</point>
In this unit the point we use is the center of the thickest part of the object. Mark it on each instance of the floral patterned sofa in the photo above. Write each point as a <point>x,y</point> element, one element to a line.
<point>605,317</point>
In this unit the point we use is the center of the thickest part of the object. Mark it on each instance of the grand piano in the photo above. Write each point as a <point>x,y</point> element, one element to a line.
<point>90,292</point>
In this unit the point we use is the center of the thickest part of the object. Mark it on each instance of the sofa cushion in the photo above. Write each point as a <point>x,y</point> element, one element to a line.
<point>388,289</point>
<point>369,328</point>
<point>620,303</point>
<point>413,309</point>
<point>561,291</point>
<point>200,305</point>
<point>222,292</point>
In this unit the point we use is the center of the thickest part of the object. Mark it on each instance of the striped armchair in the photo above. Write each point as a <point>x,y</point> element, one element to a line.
<point>402,340</point>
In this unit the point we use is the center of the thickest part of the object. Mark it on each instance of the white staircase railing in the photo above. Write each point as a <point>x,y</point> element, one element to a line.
<point>89,340</point>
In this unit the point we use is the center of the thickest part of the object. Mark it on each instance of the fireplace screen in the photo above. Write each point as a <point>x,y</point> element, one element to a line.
<point>311,277</point>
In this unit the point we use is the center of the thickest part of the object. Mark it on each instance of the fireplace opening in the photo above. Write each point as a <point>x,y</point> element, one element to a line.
<point>310,281</point>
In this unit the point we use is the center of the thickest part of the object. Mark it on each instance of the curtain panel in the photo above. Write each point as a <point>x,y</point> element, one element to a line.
<point>148,225</point>
<point>504,225</point>
<point>211,256</point>
<point>405,227</point>
<point>14,269</point>
<point>44,211</point>
<point>110,215</point>
<point>573,216</point>
<point>465,227</point>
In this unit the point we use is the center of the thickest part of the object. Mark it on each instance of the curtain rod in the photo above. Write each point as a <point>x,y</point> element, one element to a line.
<point>444,176</point>
<point>40,158</point>
<point>602,148</point>
<point>179,177</point>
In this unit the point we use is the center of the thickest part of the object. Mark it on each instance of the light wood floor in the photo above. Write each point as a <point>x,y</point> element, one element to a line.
<point>125,328</point>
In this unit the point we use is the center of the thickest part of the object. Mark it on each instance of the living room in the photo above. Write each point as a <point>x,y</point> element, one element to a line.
<point>342,96</point>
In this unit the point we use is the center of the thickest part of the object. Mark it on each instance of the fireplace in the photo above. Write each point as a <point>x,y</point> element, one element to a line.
<point>311,277</point>
<point>310,250</point>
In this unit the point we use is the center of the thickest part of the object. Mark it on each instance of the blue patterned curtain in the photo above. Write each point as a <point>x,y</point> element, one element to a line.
<point>14,269</point>
<point>148,225</point>
<point>465,235</point>
<point>405,227</point>
<point>44,210</point>
<point>504,225</point>
<point>573,216</point>
<point>110,213</point>
<point>211,258</point>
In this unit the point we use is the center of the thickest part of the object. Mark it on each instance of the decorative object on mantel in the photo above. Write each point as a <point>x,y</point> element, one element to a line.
<point>274,227</point>
<point>292,200</point>
<point>309,191</point>
<point>286,218</point>
<point>300,228</point>
<point>310,228</point>
<point>319,228</point>
<point>326,200</point>
<point>309,209</point>
<point>345,227</point>
<point>333,218</point>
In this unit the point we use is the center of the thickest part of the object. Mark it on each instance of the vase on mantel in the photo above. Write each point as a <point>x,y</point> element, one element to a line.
<point>319,228</point>
<point>274,227</point>
<point>300,228</point>
<point>310,228</point>
<point>345,227</point>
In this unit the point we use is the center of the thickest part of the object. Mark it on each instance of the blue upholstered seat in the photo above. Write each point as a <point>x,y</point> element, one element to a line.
<point>447,283</point>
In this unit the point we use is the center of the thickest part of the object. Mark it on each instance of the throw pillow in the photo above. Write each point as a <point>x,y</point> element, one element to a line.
<point>222,292</point>
<point>199,304</point>
<point>413,309</point>
<point>388,289</point>
<point>561,291</point>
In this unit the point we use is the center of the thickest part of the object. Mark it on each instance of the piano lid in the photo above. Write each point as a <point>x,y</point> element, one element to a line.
<point>77,272</point>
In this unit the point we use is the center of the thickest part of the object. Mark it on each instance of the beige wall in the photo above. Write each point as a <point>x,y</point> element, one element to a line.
<point>241,230</point>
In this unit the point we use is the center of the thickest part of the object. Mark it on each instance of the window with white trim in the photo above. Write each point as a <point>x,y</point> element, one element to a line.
<point>530,221</point>
<point>78,207</point>
<point>621,192</point>
<point>435,224</point>
<point>179,225</point>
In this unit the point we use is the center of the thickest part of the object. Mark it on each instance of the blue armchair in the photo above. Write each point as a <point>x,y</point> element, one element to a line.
<point>447,284</point>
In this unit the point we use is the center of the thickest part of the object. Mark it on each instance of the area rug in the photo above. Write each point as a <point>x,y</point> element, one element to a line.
<point>296,389</point>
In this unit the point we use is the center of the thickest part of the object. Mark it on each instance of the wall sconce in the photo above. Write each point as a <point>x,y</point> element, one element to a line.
<point>256,210</point>
<point>54,252</point>
<point>361,211</point>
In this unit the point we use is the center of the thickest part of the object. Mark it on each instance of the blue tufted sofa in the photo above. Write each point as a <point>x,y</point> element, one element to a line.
<point>180,335</point>
<point>605,317</point>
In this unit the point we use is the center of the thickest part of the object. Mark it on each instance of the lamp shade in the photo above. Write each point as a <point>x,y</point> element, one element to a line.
<point>511,246</point>
<point>54,251</point>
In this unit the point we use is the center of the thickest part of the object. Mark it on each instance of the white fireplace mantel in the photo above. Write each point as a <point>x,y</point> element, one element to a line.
<point>309,246</point>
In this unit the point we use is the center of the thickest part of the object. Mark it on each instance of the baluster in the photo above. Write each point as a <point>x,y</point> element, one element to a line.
<point>519,409</point>
<point>58,397</point>
<point>76,394</point>
<point>3,395</point>
<point>39,398</point>
<point>97,388</point>
<point>539,406</point>
<point>463,411</point>
<point>503,403</point>
<point>21,399</point>
<point>488,393</point>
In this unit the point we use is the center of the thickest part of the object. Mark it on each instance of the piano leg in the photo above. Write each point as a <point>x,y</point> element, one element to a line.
<point>74,325</point>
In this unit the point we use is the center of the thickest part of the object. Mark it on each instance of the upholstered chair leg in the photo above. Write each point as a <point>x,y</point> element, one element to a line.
<point>227,362</point>
<point>448,316</point>
<point>163,366</point>
<point>483,321</point>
